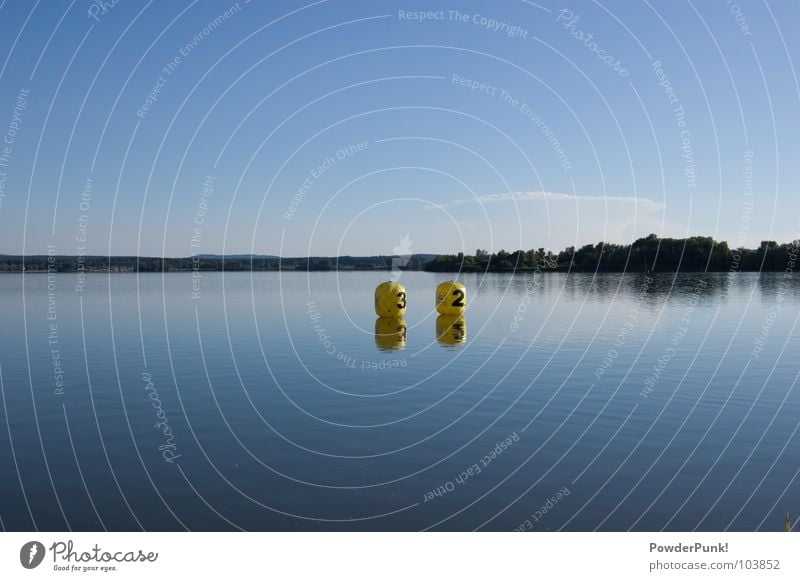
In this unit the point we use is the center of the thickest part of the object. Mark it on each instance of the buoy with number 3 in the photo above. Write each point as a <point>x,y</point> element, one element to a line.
<point>451,298</point>
<point>390,299</point>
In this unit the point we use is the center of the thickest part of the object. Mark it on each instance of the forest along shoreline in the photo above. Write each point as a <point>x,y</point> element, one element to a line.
<point>649,254</point>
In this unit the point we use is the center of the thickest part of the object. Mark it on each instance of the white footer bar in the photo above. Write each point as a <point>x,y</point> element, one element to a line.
<point>406,556</point>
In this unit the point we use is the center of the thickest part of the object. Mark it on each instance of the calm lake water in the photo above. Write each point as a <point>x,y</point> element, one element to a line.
<point>267,402</point>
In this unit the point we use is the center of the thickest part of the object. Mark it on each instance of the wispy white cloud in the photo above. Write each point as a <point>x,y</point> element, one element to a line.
<point>518,219</point>
<point>643,203</point>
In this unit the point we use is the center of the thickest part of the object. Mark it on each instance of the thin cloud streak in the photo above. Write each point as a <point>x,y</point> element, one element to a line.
<point>646,203</point>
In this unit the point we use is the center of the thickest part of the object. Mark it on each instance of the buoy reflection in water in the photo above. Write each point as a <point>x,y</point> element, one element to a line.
<point>390,333</point>
<point>451,330</point>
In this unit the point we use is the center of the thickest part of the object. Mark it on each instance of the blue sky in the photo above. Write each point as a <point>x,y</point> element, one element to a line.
<point>340,127</point>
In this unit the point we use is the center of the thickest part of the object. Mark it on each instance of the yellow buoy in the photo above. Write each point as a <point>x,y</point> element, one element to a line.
<point>451,298</point>
<point>390,299</point>
<point>390,333</point>
<point>451,329</point>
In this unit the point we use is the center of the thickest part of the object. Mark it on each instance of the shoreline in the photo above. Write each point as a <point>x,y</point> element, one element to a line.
<point>349,270</point>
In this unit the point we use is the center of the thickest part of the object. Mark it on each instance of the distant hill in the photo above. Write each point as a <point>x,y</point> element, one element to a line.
<point>423,257</point>
<point>236,256</point>
<point>207,262</point>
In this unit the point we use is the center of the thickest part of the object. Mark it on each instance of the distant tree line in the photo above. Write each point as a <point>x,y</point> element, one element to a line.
<point>650,254</point>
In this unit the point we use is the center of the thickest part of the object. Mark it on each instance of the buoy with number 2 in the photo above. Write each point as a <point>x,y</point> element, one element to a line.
<point>451,298</point>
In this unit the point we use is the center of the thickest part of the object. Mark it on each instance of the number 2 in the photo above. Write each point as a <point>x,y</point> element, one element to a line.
<point>459,302</point>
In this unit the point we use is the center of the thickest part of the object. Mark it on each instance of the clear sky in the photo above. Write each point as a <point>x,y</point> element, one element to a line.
<point>341,127</point>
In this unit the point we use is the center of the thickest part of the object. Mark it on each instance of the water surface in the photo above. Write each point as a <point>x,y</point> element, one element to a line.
<point>266,401</point>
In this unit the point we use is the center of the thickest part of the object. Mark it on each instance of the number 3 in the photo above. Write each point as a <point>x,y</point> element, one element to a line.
<point>402,297</point>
